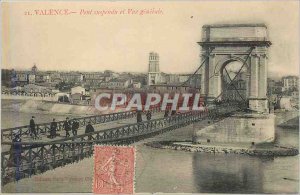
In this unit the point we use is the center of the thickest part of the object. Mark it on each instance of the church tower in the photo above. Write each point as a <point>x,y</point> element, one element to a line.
<point>153,71</point>
<point>34,69</point>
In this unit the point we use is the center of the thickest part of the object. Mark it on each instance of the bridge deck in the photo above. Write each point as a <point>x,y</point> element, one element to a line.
<point>44,137</point>
<point>44,128</point>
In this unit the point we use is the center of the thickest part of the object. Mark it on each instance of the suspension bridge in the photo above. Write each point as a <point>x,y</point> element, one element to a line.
<point>25,159</point>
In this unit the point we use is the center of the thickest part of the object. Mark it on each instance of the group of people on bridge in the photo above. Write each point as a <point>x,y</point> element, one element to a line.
<point>73,125</point>
<point>149,114</point>
<point>68,125</point>
<point>139,116</point>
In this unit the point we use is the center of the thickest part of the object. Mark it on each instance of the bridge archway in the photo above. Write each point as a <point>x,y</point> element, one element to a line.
<point>234,81</point>
<point>246,44</point>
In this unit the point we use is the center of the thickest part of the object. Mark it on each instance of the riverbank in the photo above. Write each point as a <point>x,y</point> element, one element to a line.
<point>265,150</point>
<point>44,107</point>
<point>18,112</point>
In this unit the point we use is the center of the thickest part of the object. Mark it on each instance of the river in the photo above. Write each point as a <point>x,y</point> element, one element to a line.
<point>178,171</point>
<point>14,119</point>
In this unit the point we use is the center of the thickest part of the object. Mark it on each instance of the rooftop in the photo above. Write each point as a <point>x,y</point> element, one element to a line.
<point>234,25</point>
<point>119,79</point>
<point>171,85</point>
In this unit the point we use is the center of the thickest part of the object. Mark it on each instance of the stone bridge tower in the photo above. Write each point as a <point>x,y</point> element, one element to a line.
<point>244,43</point>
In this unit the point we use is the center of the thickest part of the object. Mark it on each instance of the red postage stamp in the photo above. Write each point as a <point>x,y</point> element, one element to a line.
<point>113,170</point>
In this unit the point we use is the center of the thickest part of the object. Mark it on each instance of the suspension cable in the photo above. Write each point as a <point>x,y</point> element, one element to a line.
<point>197,68</point>
<point>234,85</point>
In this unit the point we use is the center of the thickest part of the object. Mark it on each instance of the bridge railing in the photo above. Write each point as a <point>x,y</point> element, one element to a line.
<point>27,158</point>
<point>44,128</point>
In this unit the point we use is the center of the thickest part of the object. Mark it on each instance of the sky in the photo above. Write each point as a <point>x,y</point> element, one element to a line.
<point>122,42</point>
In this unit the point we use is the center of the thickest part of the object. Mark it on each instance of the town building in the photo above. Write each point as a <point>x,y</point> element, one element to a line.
<point>78,90</point>
<point>34,88</point>
<point>274,87</point>
<point>46,78</point>
<point>93,79</point>
<point>167,88</point>
<point>31,78</point>
<point>76,98</point>
<point>55,78</point>
<point>21,78</point>
<point>290,83</point>
<point>69,77</point>
<point>39,78</point>
<point>136,85</point>
<point>117,83</point>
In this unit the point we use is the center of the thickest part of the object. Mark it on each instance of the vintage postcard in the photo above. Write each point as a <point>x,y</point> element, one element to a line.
<point>126,97</point>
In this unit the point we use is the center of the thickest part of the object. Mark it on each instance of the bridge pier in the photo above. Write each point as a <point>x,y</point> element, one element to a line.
<point>241,128</point>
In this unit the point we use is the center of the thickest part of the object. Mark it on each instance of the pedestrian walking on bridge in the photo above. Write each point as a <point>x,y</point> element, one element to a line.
<point>16,154</point>
<point>173,112</point>
<point>75,126</point>
<point>33,130</point>
<point>139,116</point>
<point>67,127</point>
<point>53,127</point>
<point>166,113</point>
<point>148,115</point>
<point>89,129</point>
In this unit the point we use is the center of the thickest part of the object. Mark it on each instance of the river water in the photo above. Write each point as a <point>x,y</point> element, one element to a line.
<point>179,171</point>
<point>161,170</point>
